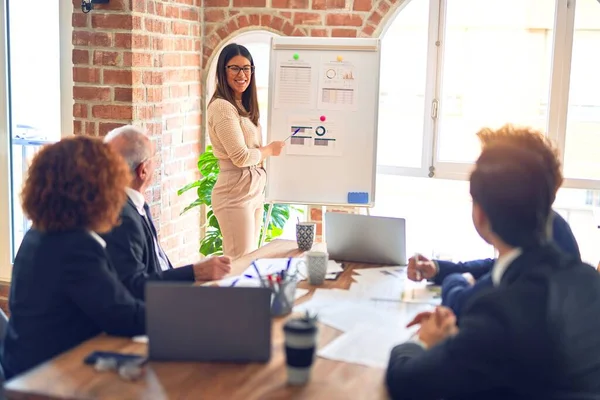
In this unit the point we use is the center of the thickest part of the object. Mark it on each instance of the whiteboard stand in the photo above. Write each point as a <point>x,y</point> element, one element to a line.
<point>266,225</point>
<point>323,211</point>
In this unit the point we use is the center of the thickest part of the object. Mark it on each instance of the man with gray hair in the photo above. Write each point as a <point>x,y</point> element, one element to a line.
<point>133,246</point>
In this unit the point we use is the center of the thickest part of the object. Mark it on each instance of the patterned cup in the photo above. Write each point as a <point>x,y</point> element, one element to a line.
<point>305,235</point>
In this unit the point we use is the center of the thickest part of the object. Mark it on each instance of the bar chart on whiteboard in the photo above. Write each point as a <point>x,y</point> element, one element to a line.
<point>338,85</point>
<point>312,137</point>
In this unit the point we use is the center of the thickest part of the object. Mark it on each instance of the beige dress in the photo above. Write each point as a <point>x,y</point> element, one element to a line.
<point>238,195</point>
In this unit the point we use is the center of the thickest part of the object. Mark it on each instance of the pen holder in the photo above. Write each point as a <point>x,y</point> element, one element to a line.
<point>283,295</point>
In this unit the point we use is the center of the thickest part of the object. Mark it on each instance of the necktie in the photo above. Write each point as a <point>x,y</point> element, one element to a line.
<point>161,254</point>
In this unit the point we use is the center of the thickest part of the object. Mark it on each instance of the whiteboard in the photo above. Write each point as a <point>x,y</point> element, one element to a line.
<point>324,91</point>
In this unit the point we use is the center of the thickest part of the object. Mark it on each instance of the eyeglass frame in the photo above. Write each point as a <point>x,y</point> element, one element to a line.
<point>231,68</point>
<point>150,158</point>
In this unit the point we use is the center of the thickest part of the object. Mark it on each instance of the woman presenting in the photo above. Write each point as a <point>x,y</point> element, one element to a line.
<point>235,134</point>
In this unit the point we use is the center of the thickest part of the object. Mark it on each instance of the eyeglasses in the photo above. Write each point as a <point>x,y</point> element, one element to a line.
<point>235,69</point>
<point>151,158</point>
<point>128,370</point>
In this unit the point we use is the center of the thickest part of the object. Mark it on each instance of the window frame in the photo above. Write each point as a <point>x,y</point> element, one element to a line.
<point>66,87</point>
<point>431,89</point>
<point>558,98</point>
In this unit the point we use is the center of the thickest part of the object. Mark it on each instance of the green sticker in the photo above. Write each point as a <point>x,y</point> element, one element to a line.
<point>296,56</point>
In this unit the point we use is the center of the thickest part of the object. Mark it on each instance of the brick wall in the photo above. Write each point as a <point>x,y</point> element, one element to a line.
<point>138,61</point>
<point>143,62</point>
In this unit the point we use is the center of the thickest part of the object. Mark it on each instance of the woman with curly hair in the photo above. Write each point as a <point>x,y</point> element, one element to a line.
<point>64,289</point>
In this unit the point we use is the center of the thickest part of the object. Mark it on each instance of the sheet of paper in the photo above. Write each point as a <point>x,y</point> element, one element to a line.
<point>347,316</point>
<point>239,281</point>
<point>269,266</point>
<point>396,271</point>
<point>310,136</point>
<point>301,292</point>
<point>338,85</point>
<point>365,345</point>
<point>421,292</point>
<point>324,298</point>
<point>380,286</point>
<point>293,83</point>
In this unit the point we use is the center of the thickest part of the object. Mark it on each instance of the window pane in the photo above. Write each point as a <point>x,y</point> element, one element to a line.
<point>438,216</point>
<point>402,87</point>
<point>439,222</point>
<point>496,69</point>
<point>583,119</point>
<point>34,62</point>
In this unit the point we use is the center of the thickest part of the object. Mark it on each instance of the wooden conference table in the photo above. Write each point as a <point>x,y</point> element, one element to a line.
<point>67,377</point>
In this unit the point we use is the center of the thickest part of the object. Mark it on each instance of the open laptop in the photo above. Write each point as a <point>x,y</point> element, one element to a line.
<point>201,323</point>
<point>367,239</point>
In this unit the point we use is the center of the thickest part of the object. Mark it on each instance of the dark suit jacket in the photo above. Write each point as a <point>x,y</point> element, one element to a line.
<point>456,291</point>
<point>131,249</point>
<point>535,336</point>
<point>63,292</point>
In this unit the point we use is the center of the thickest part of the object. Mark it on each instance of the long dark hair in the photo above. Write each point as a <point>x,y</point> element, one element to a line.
<point>223,91</point>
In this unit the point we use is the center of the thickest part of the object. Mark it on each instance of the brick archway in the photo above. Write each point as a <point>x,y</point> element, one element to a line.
<point>324,18</point>
<point>218,34</point>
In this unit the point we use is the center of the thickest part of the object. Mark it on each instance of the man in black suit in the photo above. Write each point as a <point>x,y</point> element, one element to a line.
<point>535,334</point>
<point>133,245</point>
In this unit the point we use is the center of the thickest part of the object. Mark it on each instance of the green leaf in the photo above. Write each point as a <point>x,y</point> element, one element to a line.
<point>188,187</point>
<point>195,203</point>
<point>212,243</point>
<point>212,222</point>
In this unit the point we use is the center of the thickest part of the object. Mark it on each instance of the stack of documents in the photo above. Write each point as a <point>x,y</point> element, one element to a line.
<point>373,314</point>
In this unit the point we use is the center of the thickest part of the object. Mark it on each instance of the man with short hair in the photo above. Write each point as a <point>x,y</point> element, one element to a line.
<point>462,281</point>
<point>534,334</point>
<point>133,245</point>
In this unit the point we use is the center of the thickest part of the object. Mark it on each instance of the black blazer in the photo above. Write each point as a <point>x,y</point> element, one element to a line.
<point>63,291</point>
<point>131,249</point>
<point>535,336</point>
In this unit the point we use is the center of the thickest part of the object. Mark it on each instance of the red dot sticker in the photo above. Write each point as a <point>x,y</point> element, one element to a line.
<point>322,118</point>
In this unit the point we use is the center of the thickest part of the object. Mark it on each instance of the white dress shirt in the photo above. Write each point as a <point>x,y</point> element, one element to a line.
<point>502,264</point>
<point>138,201</point>
<point>98,239</point>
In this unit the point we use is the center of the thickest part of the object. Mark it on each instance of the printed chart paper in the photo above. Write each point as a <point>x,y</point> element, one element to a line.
<point>338,86</point>
<point>312,137</point>
<point>293,84</point>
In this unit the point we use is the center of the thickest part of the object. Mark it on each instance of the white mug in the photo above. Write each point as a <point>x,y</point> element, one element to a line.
<point>316,265</point>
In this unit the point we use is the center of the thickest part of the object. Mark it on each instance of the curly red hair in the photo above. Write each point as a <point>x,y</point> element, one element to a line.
<point>77,183</point>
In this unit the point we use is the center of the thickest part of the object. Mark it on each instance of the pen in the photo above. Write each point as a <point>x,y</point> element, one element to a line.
<point>257,273</point>
<point>296,131</point>
<point>417,271</point>
<point>288,264</point>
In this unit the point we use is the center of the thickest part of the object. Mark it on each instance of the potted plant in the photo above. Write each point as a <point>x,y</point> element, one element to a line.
<point>212,243</point>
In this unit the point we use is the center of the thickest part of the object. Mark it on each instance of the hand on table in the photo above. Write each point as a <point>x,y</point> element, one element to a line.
<point>420,268</point>
<point>212,268</point>
<point>436,325</point>
<point>469,278</point>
